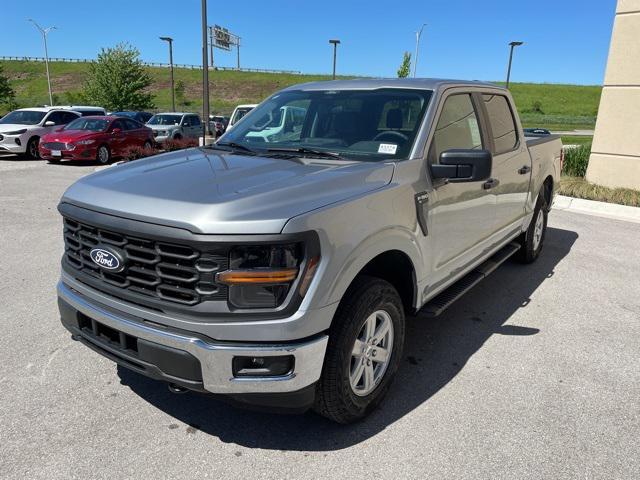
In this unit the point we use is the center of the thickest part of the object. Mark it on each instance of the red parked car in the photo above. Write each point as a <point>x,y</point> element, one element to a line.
<point>98,138</point>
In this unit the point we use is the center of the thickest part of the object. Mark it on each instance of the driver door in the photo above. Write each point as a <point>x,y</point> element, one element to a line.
<point>461,215</point>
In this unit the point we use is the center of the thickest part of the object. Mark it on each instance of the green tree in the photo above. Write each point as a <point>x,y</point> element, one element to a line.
<point>180,90</point>
<point>405,66</point>
<point>117,80</point>
<point>7,94</point>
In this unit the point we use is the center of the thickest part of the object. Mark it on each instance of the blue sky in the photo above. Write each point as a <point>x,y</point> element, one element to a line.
<point>566,41</point>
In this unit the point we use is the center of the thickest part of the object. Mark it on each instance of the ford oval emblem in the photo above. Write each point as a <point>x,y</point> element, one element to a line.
<point>107,259</point>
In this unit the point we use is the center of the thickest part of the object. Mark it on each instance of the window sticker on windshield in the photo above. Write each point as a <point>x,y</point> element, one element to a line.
<point>388,148</point>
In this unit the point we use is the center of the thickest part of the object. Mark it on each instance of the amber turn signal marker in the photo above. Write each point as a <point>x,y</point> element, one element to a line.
<point>256,277</point>
<point>308,275</point>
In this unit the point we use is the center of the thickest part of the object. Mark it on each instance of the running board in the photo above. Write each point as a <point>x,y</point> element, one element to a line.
<point>446,298</point>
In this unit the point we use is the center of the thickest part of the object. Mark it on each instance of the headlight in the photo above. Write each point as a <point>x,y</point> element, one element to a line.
<point>85,142</point>
<point>16,132</point>
<point>261,276</point>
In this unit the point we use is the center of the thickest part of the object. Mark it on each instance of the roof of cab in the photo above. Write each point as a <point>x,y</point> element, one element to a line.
<point>375,83</point>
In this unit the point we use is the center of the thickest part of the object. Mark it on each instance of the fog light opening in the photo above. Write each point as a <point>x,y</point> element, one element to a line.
<point>263,366</point>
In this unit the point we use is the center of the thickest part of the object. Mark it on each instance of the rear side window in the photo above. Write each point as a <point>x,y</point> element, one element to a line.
<point>131,124</point>
<point>458,127</point>
<point>503,126</point>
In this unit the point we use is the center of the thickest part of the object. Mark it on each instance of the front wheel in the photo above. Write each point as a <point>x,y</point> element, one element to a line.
<point>364,351</point>
<point>32,149</point>
<point>533,239</point>
<point>104,155</point>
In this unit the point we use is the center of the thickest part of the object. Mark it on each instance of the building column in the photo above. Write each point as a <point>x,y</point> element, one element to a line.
<point>615,153</point>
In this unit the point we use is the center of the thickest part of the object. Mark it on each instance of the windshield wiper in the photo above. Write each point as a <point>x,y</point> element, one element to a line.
<point>306,151</point>
<point>234,145</point>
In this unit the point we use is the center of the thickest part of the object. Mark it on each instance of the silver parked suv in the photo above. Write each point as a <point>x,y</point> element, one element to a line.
<point>175,126</point>
<point>278,273</point>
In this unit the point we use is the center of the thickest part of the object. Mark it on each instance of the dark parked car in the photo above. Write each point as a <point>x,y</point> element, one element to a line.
<point>142,117</point>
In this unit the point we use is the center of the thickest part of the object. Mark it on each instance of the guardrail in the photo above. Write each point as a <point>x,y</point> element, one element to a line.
<point>152,64</point>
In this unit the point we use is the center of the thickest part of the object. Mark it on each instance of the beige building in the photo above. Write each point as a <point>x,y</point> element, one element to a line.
<point>615,154</point>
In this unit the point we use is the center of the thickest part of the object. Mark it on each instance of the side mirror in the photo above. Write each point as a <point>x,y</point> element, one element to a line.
<point>49,123</point>
<point>116,131</point>
<point>463,165</point>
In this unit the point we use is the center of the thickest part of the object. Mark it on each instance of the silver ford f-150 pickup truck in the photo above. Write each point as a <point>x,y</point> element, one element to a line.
<point>277,269</point>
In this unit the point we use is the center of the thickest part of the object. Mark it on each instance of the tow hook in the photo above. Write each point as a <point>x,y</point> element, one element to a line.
<point>173,388</point>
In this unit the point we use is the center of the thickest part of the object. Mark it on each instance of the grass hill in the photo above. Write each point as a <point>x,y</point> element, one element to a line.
<point>545,105</point>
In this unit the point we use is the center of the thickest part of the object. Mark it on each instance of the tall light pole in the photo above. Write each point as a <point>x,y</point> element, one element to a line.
<point>415,60</point>
<point>45,32</point>
<point>169,40</point>
<point>205,75</point>
<point>335,43</point>
<point>513,45</point>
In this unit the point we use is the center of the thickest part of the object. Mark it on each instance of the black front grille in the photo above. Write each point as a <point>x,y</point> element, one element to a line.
<point>56,146</point>
<point>163,271</point>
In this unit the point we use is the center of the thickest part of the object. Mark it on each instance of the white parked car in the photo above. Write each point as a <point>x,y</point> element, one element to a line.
<point>279,125</point>
<point>239,112</point>
<point>174,126</point>
<point>20,130</point>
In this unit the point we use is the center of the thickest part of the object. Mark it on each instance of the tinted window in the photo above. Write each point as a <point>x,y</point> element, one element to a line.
<point>23,117</point>
<point>165,120</point>
<point>503,127</point>
<point>131,124</point>
<point>457,127</point>
<point>118,124</point>
<point>195,121</point>
<point>91,124</point>
<point>68,117</point>
<point>186,121</point>
<point>369,125</point>
<point>57,118</point>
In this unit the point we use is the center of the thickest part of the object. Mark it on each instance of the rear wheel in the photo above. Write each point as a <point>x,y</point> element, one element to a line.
<point>32,148</point>
<point>104,155</point>
<point>533,239</point>
<point>364,350</point>
<point>147,145</point>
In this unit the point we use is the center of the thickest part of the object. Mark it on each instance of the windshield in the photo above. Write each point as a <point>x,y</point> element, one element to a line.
<point>370,125</point>
<point>239,113</point>
<point>165,120</point>
<point>89,124</point>
<point>124,114</point>
<point>23,117</point>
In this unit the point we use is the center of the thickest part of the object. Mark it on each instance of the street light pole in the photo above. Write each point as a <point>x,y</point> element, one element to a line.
<point>513,45</point>
<point>205,75</point>
<point>169,40</point>
<point>335,43</point>
<point>415,60</point>
<point>45,32</point>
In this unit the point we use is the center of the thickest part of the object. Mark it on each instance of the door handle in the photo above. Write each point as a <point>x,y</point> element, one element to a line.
<point>524,170</point>
<point>491,183</point>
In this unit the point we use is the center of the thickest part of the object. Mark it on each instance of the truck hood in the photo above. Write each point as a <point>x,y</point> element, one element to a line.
<point>163,127</point>
<point>214,192</point>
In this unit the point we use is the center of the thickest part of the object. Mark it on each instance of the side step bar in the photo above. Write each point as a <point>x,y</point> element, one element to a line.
<point>446,298</point>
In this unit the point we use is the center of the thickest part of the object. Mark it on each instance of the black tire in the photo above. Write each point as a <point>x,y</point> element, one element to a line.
<point>177,136</point>
<point>32,149</point>
<point>103,155</point>
<point>532,240</point>
<point>147,145</point>
<point>335,397</point>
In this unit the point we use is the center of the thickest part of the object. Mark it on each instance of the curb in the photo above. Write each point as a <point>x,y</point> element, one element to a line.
<point>598,209</point>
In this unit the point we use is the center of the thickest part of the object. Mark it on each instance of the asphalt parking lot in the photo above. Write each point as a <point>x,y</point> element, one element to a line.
<point>533,374</point>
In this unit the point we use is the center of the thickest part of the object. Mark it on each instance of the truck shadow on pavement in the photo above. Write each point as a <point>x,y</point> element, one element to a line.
<point>436,350</point>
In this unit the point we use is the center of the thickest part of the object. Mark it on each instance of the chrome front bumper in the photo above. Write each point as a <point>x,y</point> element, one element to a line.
<point>215,357</point>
